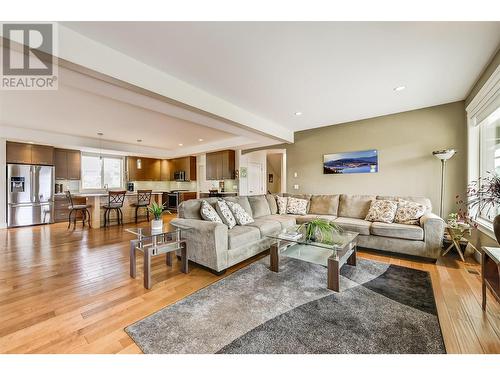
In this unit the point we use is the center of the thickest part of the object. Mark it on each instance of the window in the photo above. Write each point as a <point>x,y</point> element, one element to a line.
<point>101,172</point>
<point>489,158</point>
<point>483,131</point>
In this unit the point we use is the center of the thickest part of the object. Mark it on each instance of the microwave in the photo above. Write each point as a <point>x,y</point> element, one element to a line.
<point>180,176</point>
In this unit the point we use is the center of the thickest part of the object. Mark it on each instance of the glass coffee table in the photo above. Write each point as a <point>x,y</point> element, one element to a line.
<point>152,243</point>
<point>333,256</point>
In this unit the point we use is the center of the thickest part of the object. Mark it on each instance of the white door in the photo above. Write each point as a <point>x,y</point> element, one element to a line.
<point>254,179</point>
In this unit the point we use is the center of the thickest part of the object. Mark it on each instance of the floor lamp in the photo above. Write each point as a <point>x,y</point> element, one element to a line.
<point>444,156</point>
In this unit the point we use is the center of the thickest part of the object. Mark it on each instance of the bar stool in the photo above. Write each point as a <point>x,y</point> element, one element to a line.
<point>115,202</point>
<point>75,208</point>
<point>143,201</point>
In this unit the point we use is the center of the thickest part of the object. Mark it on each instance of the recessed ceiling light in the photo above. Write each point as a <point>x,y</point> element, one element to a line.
<point>180,144</point>
<point>399,88</point>
<point>200,140</point>
<point>298,113</point>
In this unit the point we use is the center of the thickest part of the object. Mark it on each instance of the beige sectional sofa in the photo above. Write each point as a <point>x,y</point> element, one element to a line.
<point>215,246</point>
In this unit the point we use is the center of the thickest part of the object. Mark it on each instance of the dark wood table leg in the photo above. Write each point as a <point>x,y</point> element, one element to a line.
<point>169,259</point>
<point>352,259</point>
<point>274,257</point>
<point>184,258</point>
<point>333,275</point>
<point>132,260</point>
<point>147,268</point>
<point>483,281</point>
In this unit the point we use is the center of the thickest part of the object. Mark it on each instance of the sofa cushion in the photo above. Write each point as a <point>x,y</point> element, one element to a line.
<point>209,213</point>
<point>382,211</point>
<point>242,201</point>
<point>190,209</point>
<point>281,202</point>
<point>259,206</point>
<point>273,206</point>
<point>242,236</point>
<point>355,206</point>
<point>354,225</point>
<point>421,200</point>
<point>296,206</point>
<point>324,204</point>
<point>307,218</point>
<point>266,226</point>
<point>409,212</point>
<point>225,213</point>
<point>240,214</point>
<point>286,221</point>
<point>394,230</point>
<point>307,197</point>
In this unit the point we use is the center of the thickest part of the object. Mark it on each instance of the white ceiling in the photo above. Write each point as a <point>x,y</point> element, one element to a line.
<point>333,72</point>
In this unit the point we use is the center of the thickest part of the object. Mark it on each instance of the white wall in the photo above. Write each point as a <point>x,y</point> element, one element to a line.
<point>3,184</point>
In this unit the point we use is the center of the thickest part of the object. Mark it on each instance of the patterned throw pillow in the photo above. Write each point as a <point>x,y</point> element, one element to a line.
<point>409,212</point>
<point>296,206</point>
<point>241,216</point>
<point>225,213</point>
<point>282,202</point>
<point>208,213</point>
<point>382,211</point>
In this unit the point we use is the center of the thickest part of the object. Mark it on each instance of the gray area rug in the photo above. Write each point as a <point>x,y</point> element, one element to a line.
<point>381,309</point>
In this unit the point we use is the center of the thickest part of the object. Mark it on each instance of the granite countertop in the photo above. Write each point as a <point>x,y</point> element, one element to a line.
<point>220,192</point>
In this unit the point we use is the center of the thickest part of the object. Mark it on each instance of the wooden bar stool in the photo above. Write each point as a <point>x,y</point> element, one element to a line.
<point>115,202</point>
<point>143,201</point>
<point>75,208</point>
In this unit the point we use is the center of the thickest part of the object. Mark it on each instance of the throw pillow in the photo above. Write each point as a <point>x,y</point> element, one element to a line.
<point>409,212</point>
<point>282,202</point>
<point>241,216</point>
<point>382,211</point>
<point>208,213</point>
<point>225,213</point>
<point>296,206</point>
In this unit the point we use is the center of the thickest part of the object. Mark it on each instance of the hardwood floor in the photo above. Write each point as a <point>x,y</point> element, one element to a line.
<point>64,291</point>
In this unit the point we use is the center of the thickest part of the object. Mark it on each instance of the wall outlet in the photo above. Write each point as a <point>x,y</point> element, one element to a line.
<point>296,187</point>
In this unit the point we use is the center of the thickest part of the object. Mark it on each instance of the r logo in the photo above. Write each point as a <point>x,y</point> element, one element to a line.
<point>37,41</point>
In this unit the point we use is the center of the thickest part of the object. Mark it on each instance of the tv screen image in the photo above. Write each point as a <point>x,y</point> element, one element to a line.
<point>351,162</point>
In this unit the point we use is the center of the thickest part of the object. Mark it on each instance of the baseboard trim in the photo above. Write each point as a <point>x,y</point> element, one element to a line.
<point>3,226</point>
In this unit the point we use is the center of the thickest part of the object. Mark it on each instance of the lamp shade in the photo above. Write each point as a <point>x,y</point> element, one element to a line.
<point>444,154</point>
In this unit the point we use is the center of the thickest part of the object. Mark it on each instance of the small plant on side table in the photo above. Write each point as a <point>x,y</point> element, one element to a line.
<point>320,230</point>
<point>157,211</point>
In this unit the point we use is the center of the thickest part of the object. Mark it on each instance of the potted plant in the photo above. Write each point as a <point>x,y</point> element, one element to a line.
<point>482,197</point>
<point>157,211</point>
<point>320,230</point>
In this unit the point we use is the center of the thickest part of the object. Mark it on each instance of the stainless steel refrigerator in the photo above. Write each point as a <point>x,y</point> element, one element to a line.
<point>30,195</point>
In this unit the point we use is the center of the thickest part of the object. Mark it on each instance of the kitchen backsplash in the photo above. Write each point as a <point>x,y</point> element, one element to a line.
<point>165,185</point>
<point>71,185</point>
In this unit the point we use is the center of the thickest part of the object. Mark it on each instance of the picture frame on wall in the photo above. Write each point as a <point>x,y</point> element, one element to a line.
<point>351,162</point>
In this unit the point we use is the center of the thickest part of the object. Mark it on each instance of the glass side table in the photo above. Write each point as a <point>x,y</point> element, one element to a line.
<point>153,243</point>
<point>456,235</point>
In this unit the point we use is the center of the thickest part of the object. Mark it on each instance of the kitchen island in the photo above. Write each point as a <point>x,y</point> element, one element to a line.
<point>97,200</point>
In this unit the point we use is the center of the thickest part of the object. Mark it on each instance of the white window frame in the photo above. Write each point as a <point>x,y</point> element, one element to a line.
<point>107,156</point>
<point>488,94</point>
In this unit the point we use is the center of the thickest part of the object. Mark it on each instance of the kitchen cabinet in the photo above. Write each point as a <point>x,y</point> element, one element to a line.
<point>25,153</point>
<point>166,169</point>
<point>186,164</point>
<point>150,169</point>
<point>220,165</point>
<point>67,164</point>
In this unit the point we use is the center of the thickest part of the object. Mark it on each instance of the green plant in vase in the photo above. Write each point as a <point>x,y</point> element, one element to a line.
<point>157,210</point>
<point>321,230</point>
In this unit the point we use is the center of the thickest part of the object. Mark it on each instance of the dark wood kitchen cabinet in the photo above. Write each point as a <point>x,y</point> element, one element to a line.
<point>220,165</point>
<point>25,153</point>
<point>165,170</point>
<point>67,164</point>
<point>150,169</point>
<point>186,164</point>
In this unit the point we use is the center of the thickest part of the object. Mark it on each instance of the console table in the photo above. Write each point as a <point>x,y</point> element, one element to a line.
<point>152,243</point>
<point>490,272</point>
